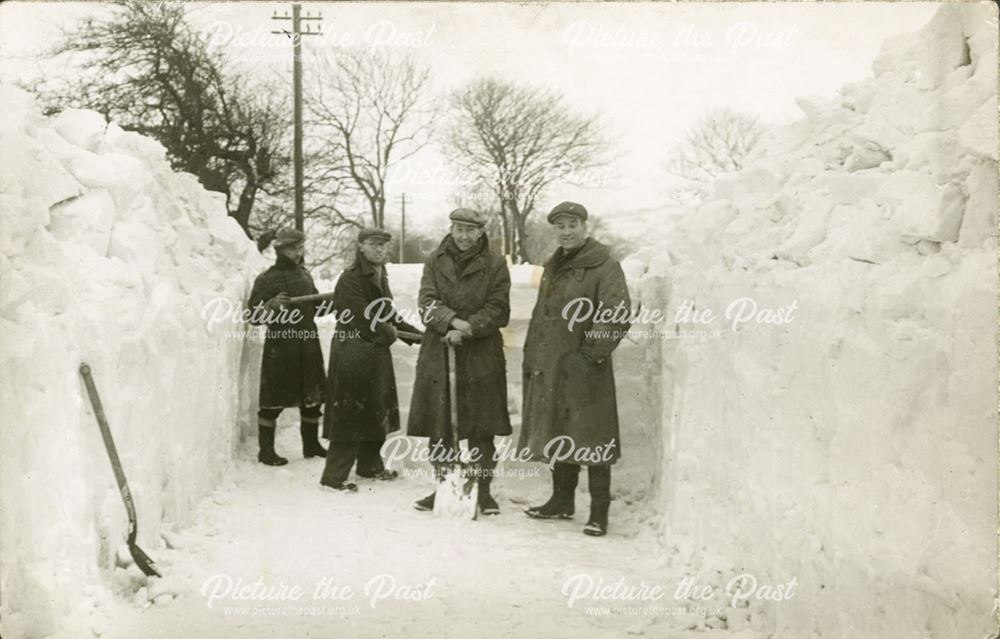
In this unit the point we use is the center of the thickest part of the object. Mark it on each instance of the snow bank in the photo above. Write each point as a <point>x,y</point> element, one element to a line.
<point>845,433</point>
<point>107,256</point>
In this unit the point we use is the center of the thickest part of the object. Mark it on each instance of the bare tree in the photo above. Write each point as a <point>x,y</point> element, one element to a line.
<point>718,144</point>
<point>365,112</point>
<point>518,141</point>
<point>145,68</point>
<point>328,225</point>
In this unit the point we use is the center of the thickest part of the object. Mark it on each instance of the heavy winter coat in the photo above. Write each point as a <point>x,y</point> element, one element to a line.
<point>569,381</point>
<point>361,400</point>
<point>481,296</point>
<point>291,368</point>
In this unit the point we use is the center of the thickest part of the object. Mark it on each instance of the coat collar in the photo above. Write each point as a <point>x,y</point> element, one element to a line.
<point>447,264</point>
<point>367,269</point>
<point>590,255</point>
<point>281,262</point>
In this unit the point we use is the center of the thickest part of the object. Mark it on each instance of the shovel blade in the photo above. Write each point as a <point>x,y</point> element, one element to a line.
<point>146,565</point>
<point>457,495</point>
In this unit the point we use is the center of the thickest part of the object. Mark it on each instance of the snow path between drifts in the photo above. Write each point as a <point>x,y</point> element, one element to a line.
<point>498,576</point>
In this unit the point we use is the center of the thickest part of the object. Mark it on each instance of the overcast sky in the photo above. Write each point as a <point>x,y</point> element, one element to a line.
<point>649,69</point>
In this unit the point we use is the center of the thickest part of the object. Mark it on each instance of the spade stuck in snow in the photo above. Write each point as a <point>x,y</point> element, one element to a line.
<point>457,490</point>
<point>142,560</point>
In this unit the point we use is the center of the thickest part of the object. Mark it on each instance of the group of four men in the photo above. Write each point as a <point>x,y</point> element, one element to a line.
<point>569,388</point>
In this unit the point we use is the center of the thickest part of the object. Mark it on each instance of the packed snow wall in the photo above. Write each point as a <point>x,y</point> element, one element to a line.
<point>830,377</point>
<point>108,257</point>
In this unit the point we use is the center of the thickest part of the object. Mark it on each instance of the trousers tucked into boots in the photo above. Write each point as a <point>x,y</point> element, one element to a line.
<point>267,419</point>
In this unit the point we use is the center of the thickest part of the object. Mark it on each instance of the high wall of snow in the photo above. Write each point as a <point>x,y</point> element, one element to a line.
<point>844,432</point>
<point>107,257</point>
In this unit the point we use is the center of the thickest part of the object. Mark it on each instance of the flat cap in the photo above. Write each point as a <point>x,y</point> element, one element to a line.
<point>372,233</point>
<point>288,237</point>
<point>469,216</point>
<point>571,209</point>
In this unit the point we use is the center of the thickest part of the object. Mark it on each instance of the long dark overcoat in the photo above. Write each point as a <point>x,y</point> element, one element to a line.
<point>569,381</point>
<point>361,399</point>
<point>291,368</point>
<point>481,296</point>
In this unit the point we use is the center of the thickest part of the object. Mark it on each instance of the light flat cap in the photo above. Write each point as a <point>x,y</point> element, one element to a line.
<point>372,233</point>
<point>288,237</point>
<point>572,209</point>
<point>468,216</point>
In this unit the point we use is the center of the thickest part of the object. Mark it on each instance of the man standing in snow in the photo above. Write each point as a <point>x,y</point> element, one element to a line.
<point>569,382</point>
<point>362,407</point>
<point>464,301</point>
<point>291,370</point>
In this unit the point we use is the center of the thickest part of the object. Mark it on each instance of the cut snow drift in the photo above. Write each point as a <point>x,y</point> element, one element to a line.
<point>853,447</point>
<point>108,257</point>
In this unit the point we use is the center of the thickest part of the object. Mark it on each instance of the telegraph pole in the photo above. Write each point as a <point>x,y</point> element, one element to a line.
<point>402,224</point>
<point>296,37</point>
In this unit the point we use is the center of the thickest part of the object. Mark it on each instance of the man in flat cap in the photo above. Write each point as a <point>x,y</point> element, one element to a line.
<point>569,382</point>
<point>464,301</point>
<point>291,370</point>
<point>361,402</point>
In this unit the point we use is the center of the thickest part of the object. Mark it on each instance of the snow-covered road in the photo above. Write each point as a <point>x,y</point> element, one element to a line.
<point>369,565</point>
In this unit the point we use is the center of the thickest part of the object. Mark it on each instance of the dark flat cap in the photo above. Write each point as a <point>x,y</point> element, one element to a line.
<point>468,216</point>
<point>372,233</point>
<point>571,209</point>
<point>288,237</point>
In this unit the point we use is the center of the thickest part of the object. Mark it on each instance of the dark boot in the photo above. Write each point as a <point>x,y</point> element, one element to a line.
<point>561,504</point>
<point>487,505</point>
<point>310,440</point>
<point>597,525</point>
<point>427,503</point>
<point>265,438</point>
<point>599,483</point>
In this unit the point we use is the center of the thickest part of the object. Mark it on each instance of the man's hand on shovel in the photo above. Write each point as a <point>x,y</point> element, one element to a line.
<point>279,300</point>
<point>454,337</point>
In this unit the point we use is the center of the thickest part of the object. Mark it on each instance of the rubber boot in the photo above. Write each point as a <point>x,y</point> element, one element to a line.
<point>310,440</point>
<point>597,525</point>
<point>599,483</point>
<point>265,438</point>
<point>487,505</point>
<point>561,504</point>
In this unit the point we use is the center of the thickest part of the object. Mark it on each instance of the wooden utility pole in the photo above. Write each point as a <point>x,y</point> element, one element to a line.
<point>296,37</point>
<point>402,225</point>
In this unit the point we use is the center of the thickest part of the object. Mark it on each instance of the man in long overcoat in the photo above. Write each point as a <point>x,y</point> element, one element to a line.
<point>464,300</point>
<point>361,402</point>
<point>291,369</point>
<point>570,410</point>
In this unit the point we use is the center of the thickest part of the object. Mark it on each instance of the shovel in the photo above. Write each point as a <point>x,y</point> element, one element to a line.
<point>315,297</point>
<point>146,565</point>
<point>457,493</point>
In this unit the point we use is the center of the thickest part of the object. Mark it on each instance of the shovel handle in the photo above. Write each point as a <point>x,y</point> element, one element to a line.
<point>452,395</point>
<point>109,445</point>
<point>318,297</point>
<point>416,337</point>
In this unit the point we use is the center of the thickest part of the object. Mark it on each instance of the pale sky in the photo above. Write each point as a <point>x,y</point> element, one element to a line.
<point>650,69</point>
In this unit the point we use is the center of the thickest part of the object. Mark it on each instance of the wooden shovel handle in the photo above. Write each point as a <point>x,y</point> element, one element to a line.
<point>318,297</point>
<point>452,396</point>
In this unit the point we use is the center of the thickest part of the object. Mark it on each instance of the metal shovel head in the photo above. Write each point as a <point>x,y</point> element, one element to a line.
<point>146,565</point>
<point>457,493</point>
